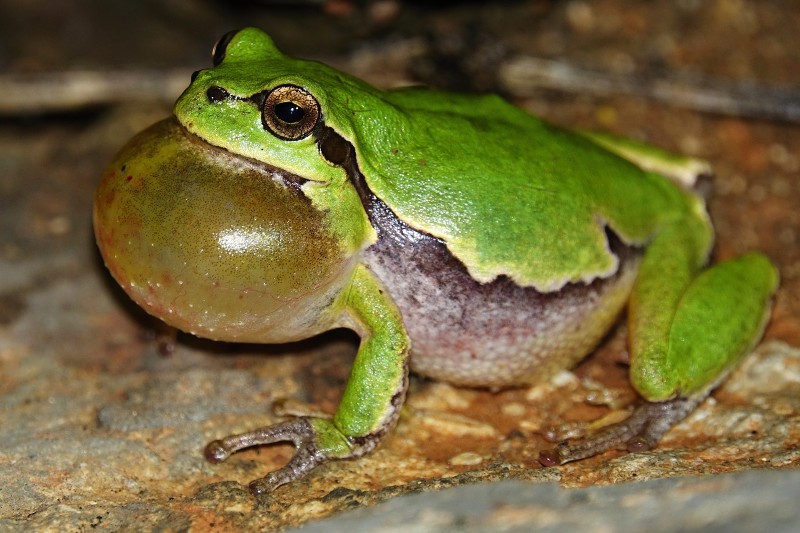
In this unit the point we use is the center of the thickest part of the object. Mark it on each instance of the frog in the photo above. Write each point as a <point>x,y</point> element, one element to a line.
<point>460,237</point>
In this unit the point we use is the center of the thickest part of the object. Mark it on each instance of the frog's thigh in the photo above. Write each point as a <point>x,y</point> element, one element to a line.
<point>719,318</point>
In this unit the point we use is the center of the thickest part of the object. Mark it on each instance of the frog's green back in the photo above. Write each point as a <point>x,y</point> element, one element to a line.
<point>509,194</point>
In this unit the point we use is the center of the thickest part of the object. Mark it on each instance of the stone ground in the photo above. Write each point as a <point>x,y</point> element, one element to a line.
<point>101,430</point>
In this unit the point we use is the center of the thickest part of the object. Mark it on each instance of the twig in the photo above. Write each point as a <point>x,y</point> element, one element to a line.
<point>523,76</point>
<point>67,91</point>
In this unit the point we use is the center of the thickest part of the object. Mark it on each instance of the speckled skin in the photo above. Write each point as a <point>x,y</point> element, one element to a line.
<point>487,335</point>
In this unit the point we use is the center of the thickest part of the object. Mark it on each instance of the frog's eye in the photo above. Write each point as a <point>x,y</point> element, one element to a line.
<point>218,52</point>
<point>290,112</point>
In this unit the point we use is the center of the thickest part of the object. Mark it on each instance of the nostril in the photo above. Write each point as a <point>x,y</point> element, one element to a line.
<point>217,94</point>
<point>195,74</point>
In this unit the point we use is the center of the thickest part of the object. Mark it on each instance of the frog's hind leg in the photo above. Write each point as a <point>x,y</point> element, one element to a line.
<point>687,331</point>
<point>718,319</point>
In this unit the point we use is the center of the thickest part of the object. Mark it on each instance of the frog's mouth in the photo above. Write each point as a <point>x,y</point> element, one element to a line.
<point>233,160</point>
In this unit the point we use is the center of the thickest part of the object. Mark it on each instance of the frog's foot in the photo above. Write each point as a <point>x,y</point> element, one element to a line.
<point>639,432</point>
<point>303,432</point>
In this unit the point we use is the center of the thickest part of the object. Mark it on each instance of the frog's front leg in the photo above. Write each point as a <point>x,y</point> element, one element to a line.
<point>369,407</point>
<point>687,329</point>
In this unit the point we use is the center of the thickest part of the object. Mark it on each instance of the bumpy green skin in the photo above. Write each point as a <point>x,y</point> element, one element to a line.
<point>507,193</point>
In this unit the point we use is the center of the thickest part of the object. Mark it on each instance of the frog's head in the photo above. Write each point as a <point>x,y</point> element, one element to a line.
<point>259,103</point>
<point>216,244</point>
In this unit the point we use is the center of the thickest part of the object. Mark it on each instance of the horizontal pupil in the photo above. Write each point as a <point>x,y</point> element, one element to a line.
<point>289,112</point>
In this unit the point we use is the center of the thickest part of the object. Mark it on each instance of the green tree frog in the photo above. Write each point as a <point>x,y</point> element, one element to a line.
<point>458,235</point>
